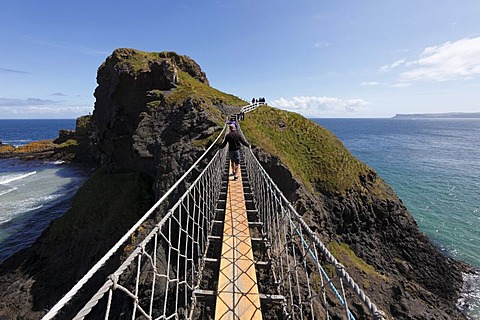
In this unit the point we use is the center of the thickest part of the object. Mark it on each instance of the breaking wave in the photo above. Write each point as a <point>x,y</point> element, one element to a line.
<point>14,177</point>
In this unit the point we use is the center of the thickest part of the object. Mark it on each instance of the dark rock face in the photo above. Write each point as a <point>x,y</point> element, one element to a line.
<point>186,64</point>
<point>414,280</point>
<point>64,135</point>
<point>132,135</point>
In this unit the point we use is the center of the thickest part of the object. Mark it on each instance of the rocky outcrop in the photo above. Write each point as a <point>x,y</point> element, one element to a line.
<point>71,145</point>
<point>138,127</point>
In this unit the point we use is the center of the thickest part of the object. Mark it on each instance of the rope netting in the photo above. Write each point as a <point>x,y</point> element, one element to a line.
<point>305,273</point>
<point>167,261</point>
<point>167,264</point>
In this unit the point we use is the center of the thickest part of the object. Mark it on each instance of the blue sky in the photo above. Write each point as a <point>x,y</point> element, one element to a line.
<point>340,58</point>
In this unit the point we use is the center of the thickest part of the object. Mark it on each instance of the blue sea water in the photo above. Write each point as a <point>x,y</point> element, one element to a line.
<point>20,132</point>
<point>32,193</point>
<point>433,165</point>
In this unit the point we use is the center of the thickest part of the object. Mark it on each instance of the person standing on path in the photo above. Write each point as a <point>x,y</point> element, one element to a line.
<point>234,139</point>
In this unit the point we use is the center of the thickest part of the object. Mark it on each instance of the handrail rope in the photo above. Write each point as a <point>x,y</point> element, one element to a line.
<point>68,296</point>
<point>378,314</point>
<point>94,300</point>
<point>206,240</point>
<point>304,242</point>
<point>343,302</point>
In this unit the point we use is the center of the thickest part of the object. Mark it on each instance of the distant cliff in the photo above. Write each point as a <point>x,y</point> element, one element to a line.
<point>71,145</point>
<point>454,115</point>
<point>154,114</point>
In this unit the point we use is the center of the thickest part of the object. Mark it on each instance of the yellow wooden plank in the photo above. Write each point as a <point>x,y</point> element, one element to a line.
<point>248,307</point>
<point>237,292</point>
<point>243,248</point>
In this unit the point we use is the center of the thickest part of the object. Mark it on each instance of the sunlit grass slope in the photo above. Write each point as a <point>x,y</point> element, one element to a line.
<point>312,153</point>
<point>190,88</point>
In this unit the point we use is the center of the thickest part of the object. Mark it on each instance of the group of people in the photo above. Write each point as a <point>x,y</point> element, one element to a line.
<point>255,100</point>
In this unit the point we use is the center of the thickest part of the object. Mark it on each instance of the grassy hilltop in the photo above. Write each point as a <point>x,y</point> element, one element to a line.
<point>313,154</point>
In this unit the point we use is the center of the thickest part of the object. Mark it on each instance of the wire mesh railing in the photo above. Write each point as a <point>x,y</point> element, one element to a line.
<point>167,264</point>
<point>188,223</point>
<point>306,274</point>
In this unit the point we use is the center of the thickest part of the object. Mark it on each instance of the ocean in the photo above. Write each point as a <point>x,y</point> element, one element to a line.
<point>432,165</point>
<point>32,193</point>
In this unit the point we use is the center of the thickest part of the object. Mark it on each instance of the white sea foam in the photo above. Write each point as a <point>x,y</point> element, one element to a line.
<point>5,219</point>
<point>17,143</point>
<point>14,177</point>
<point>51,197</point>
<point>2,192</point>
<point>470,295</point>
<point>58,162</point>
<point>33,208</point>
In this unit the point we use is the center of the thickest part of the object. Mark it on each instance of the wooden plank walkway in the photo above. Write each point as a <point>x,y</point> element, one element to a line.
<point>237,292</point>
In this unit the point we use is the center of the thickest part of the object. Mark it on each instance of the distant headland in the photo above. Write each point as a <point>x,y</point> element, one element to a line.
<point>448,115</point>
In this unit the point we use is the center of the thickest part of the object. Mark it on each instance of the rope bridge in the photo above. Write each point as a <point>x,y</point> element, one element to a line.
<point>173,272</point>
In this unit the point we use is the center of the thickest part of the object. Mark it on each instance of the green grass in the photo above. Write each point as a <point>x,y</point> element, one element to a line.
<point>347,257</point>
<point>312,153</point>
<point>140,61</point>
<point>209,98</point>
<point>188,87</point>
<point>110,202</point>
<point>137,62</point>
<point>68,143</point>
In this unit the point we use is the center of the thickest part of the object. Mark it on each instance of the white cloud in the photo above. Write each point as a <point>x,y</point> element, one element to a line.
<point>452,60</point>
<point>371,83</point>
<point>401,85</point>
<point>39,108</point>
<point>4,70</point>
<point>45,112</point>
<point>6,102</point>
<point>389,67</point>
<point>315,106</point>
<point>71,47</point>
<point>321,45</point>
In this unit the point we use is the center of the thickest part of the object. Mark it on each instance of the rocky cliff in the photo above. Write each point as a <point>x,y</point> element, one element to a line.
<point>154,114</point>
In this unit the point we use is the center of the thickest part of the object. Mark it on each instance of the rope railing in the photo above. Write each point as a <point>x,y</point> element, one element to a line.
<point>78,286</point>
<point>168,262</point>
<point>298,256</point>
